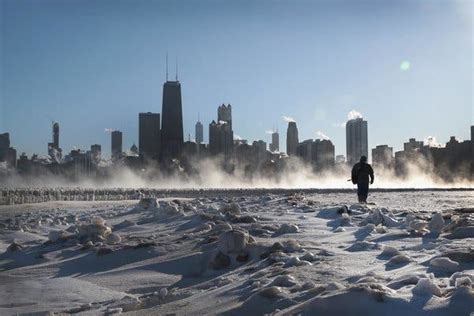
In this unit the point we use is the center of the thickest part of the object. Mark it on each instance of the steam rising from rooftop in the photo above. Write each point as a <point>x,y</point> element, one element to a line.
<point>352,115</point>
<point>288,119</point>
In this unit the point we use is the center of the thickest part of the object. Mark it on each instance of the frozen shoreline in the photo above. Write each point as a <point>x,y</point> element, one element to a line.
<point>242,253</point>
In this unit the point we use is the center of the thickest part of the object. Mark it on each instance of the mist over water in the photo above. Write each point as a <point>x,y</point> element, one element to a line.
<point>209,174</point>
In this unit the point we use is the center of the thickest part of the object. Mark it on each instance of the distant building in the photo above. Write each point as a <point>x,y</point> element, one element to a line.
<point>96,152</point>
<point>10,158</point>
<point>81,162</point>
<point>116,145</point>
<point>323,154</point>
<point>275,144</point>
<point>149,135</point>
<point>412,144</point>
<point>172,120</point>
<point>221,136</point>
<point>304,150</point>
<point>134,150</point>
<point>292,139</point>
<point>199,133</point>
<point>382,156</point>
<point>356,140</point>
<point>54,151</point>
<point>340,159</point>
<point>4,145</point>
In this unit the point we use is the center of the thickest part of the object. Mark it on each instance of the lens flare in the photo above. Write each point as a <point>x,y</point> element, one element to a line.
<point>405,65</point>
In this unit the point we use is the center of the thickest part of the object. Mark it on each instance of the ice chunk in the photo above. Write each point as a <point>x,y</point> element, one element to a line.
<point>233,241</point>
<point>113,239</point>
<point>444,263</point>
<point>284,281</point>
<point>147,203</point>
<point>399,259</point>
<point>232,209</point>
<point>456,275</point>
<point>426,286</point>
<point>389,252</point>
<point>287,229</point>
<point>436,223</point>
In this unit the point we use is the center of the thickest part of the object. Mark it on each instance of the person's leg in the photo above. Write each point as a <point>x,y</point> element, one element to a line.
<point>362,192</point>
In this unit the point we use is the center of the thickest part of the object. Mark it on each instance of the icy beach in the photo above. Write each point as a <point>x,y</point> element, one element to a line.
<point>245,253</point>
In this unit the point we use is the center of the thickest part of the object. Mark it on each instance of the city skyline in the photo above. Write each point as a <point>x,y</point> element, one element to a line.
<point>424,74</point>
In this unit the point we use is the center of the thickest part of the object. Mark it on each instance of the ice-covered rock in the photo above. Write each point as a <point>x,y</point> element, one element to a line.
<point>426,286</point>
<point>14,246</point>
<point>363,246</point>
<point>147,203</point>
<point>286,229</point>
<point>309,256</point>
<point>233,241</point>
<point>399,259</point>
<point>231,209</point>
<point>340,229</point>
<point>389,252</point>
<point>221,227</point>
<point>220,261</point>
<point>456,275</point>
<point>97,220</point>
<point>418,225</point>
<point>113,239</point>
<point>271,292</point>
<point>436,223</point>
<point>284,281</point>
<point>56,235</point>
<point>462,232</point>
<point>463,281</point>
<point>444,263</point>
<point>381,217</point>
<point>168,209</point>
<point>335,286</point>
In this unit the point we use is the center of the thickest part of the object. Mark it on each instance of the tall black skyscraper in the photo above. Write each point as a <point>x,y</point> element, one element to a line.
<point>149,134</point>
<point>116,145</point>
<point>356,140</point>
<point>172,120</point>
<point>291,139</point>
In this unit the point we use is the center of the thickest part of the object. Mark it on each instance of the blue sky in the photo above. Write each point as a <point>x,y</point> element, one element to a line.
<point>92,65</point>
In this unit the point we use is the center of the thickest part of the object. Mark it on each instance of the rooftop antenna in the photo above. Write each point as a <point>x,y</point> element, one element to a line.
<point>199,117</point>
<point>166,66</point>
<point>176,68</point>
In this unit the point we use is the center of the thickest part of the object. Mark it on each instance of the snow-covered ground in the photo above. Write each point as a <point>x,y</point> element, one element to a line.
<point>411,253</point>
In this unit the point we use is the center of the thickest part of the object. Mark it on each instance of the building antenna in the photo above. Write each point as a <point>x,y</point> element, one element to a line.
<point>176,68</point>
<point>166,66</point>
<point>199,117</point>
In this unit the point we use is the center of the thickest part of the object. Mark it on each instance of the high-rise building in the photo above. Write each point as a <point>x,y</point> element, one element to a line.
<point>412,144</point>
<point>199,133</point>
<point>10,157</point>
<point>56,135</point>
<point>221,135</point>
<point>382,156</point>
<point>96,152</point>
<point>4,145</point>
<point>224,114</point>
<point>356,140</point>
<point>53,148</point>
<point>275,144</point>
<point>149,134</point>
<point>323,154</point>
<point>116,145</point>
<point>172,120</point>
<point>291,139</point>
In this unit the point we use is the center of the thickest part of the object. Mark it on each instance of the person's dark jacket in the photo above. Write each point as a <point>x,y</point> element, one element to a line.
<point>361,173</point>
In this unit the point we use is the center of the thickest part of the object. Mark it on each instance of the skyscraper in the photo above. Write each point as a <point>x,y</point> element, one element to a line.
<point>224,114</point>
<point>172,120</point>
<point>56,135</point>
<point>275,144</point>
<point>4,145</point>
<point>291,139</point>
<point>96,152</point>
<point>149,134</point>
<point>116,145</point>
<point>53,148</point>
<point>199,133</point>
<point>382,156</point>
<point>356,140</point>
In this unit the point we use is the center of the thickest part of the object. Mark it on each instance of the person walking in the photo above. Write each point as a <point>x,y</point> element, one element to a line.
<point>361,172</point>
